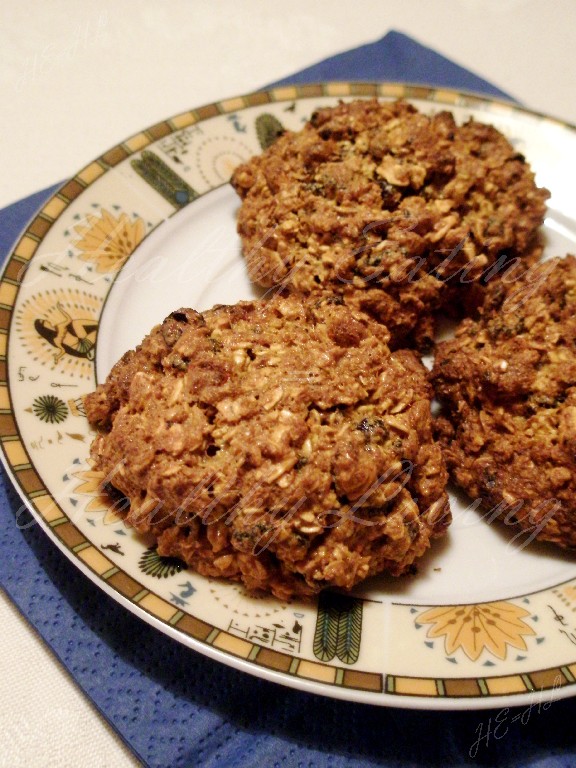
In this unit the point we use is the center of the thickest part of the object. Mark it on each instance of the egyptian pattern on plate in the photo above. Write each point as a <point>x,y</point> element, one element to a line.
<point>52,295</point>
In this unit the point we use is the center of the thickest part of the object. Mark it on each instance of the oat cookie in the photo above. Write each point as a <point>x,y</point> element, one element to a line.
<point>278,443</point>
<point>507,383</point>
<point>397,212</point>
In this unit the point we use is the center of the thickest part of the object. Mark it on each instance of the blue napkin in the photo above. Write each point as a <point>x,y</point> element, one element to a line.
<point>395,58</point>
<point>175,708</point>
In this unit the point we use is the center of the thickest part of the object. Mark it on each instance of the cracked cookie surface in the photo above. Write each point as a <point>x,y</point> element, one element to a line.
<point>278,443</point>
<point>507,383</point>
<point>397,212</point>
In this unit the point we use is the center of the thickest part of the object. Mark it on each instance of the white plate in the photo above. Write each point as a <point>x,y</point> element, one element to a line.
<point>490,619</point>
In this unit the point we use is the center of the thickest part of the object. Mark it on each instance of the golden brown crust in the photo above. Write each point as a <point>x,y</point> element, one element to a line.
<point>276,443</point>
<point>387,208</point>
<point>508,387</point>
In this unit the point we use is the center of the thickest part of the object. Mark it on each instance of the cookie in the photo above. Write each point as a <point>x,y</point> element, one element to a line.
<point>397,212</point>
<point>276,443</point>
<point>507,385</point>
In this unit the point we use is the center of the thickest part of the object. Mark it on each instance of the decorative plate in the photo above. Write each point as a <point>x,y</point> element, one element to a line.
<point>490,618</point>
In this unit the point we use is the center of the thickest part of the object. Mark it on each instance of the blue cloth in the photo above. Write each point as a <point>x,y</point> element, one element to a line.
<point>396,58</point>
<point>175,708</point>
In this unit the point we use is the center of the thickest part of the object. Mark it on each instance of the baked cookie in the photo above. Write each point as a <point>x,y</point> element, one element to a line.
<point>278,443</point>
<point>507,383</point>
<point>397,212</point>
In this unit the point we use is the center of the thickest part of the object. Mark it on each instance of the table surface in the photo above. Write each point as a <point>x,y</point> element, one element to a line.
<point>76,79</point>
